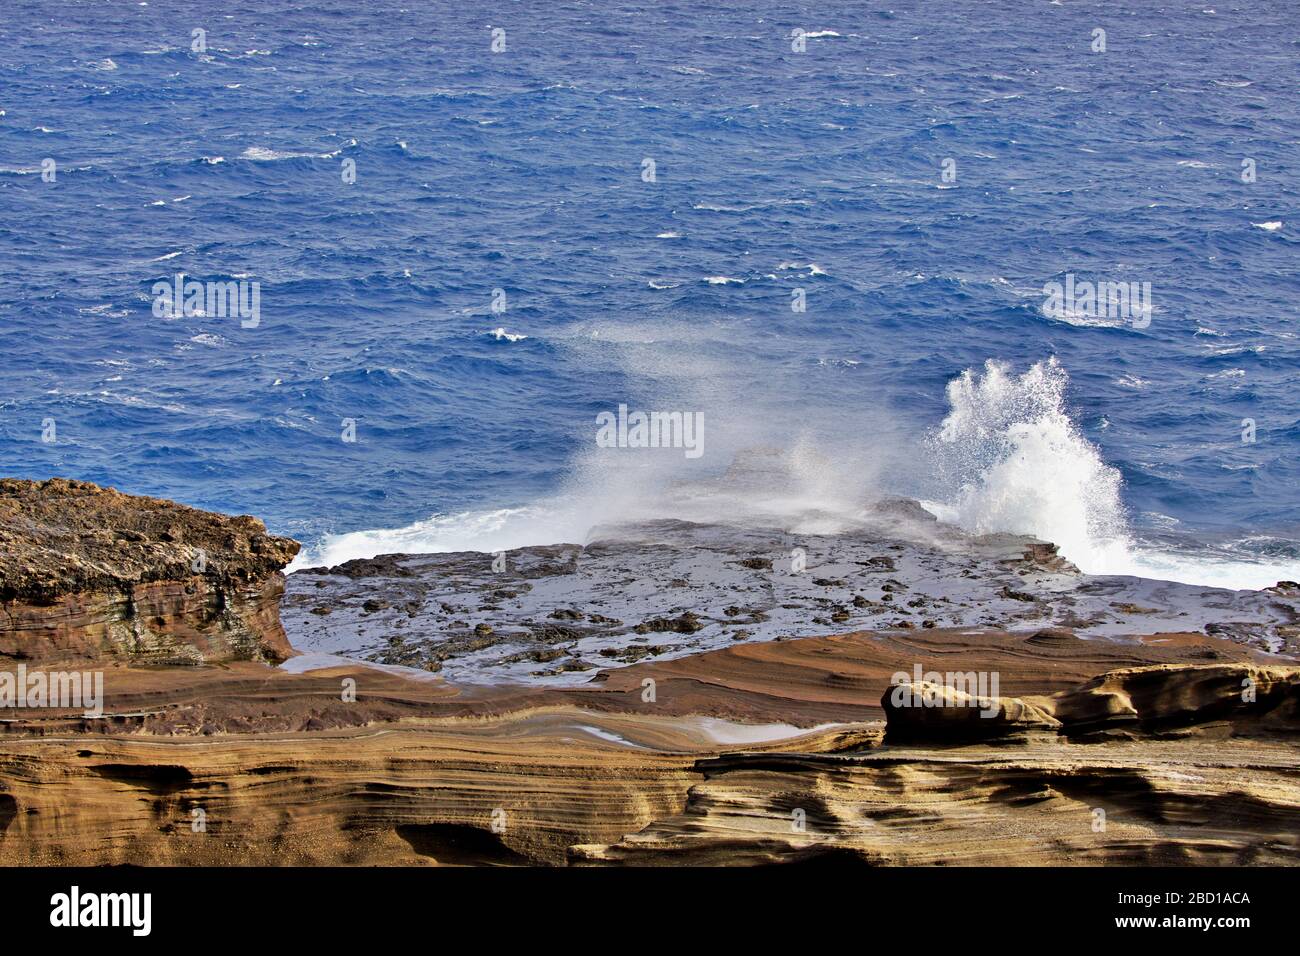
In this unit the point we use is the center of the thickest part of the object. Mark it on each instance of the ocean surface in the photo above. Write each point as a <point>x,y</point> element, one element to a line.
<point>619,206</point>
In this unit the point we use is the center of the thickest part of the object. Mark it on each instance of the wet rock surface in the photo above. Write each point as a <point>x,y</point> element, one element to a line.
<point>668,588</point>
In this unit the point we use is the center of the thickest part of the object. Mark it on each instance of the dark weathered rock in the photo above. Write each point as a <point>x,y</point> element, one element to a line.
<point>90,573</point>
<point>641,579</point>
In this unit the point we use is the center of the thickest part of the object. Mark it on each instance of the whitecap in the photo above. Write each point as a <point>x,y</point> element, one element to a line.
<point>105,309</point>
<point>1083,319</point>
<point>501,334</point>
<point>813,268</point>
<point>1272,226</point>
<point>262,154</point>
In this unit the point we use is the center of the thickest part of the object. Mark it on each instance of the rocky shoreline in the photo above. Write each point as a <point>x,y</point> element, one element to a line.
<point>667,693</point>
<point>559,614</point>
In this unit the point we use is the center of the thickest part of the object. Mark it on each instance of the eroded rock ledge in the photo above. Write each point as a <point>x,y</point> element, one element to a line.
<point>91,574</point>
<point>1130,701</point>
<point>1198,772</point>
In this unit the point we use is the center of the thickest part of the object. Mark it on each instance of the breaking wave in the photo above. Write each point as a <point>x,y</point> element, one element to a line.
<point>1015,461</point>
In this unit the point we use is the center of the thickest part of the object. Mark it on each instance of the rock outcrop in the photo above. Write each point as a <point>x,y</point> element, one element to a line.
<point>1133,700</point>
<point>1203,772</point>
<point>1164,697</point>
<point>475,619</point>
<point>91,574</point>
<point>928,711</point>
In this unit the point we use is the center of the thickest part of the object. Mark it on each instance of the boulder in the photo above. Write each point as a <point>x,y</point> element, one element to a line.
<point>922,710</point>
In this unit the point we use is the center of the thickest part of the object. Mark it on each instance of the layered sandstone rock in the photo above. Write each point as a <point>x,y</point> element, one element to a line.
<point>245,764</point>
<point>89,573</point>
<point>1202,774</point>
<point>1165,698</point>
<point>1155,802</point>
<point>927,711</point>
<point>1133,700</point>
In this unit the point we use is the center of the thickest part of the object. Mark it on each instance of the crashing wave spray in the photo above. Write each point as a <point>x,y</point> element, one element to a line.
<point>1014,461</point>
<point>1007,455</point>
<point>773,457</point>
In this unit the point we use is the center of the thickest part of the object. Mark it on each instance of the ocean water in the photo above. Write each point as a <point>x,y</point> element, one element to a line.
<point>504,267</point>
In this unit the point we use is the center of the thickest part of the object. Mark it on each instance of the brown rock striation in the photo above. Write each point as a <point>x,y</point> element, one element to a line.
<point>1221,790</point>
<point>89,573</point>
<point>1133,700</point>
<point>1148,699</point>
<point>421,772</point>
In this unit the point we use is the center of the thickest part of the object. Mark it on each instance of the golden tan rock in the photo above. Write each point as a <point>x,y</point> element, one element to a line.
<point>421,772</point>
<point>1164,696</point>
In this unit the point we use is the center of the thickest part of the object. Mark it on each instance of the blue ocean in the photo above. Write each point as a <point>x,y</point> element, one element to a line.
<point>828,230</point>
